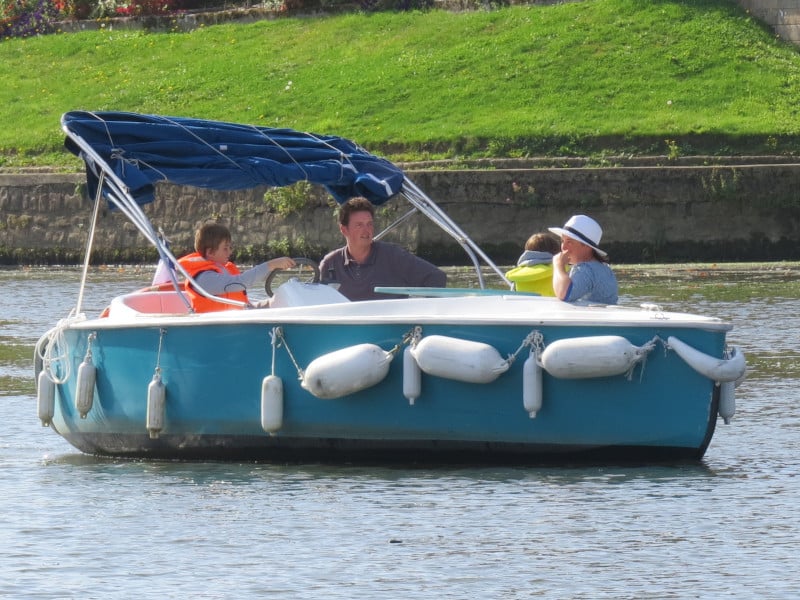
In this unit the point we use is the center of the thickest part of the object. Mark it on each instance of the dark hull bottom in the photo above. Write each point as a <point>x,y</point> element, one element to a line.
<point>286,450</point>
<point>304,450</point>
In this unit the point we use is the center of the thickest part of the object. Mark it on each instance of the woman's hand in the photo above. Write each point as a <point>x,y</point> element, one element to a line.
<point>561,280</point>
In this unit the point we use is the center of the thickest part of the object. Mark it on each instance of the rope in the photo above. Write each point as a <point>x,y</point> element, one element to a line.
<point>410,337</point>
<point>278,339</point>
<point>656,309</point>
<point>50,343</point>
<point>642,353</point>
<point>414,336</point>
<point>274,343</point>
<point>91,338</point>
<point>535,340</point>
<point>161,333</point>
<point>277,334</point>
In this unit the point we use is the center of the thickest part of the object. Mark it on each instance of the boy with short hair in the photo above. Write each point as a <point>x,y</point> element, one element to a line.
<point>210,266</point>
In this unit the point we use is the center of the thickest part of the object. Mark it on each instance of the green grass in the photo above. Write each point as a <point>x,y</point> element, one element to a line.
<point>598,77</point>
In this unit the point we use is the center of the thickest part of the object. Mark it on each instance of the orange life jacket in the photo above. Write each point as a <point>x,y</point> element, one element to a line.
<point>194,264</point>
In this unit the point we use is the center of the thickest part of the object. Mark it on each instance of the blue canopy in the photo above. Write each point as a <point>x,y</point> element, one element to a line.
<point>144,149</point>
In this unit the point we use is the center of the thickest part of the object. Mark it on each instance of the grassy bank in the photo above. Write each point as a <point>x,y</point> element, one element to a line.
<point>586,78</point>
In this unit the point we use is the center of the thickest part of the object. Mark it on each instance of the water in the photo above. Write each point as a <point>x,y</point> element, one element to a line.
<point>76,526</point>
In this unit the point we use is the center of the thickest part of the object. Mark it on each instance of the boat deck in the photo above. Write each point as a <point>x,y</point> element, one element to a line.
<point>314,303</point>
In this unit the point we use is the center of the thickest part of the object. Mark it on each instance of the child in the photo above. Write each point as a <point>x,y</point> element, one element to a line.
<point>534,271</point>
<point>210,267</point>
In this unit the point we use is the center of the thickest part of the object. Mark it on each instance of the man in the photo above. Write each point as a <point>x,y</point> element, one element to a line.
<point>362,264</point>
<point>590,279</point>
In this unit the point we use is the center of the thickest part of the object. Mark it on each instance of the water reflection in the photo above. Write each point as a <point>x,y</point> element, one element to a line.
<point>209,473</point>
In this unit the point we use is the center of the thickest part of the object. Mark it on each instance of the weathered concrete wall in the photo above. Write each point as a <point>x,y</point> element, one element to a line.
<point>783,16</point>
<point>649,214</point>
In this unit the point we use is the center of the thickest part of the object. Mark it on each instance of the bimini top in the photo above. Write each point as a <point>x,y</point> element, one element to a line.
<point>126,154</point>
<point>141,150</point>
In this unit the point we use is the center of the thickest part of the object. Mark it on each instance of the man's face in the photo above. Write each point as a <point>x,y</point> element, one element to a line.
<point>360,230</point>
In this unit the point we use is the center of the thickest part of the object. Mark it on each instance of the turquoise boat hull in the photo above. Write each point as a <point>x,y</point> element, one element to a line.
<point>443,375</point>
<point>212,372</point>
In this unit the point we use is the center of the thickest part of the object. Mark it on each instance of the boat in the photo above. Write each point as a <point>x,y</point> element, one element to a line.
<point>443,375</point>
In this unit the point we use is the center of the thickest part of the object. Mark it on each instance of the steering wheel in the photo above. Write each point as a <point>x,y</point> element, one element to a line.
<point>300,271</point>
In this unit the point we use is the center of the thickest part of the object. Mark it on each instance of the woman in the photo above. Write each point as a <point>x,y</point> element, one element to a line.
<point>590,279</point>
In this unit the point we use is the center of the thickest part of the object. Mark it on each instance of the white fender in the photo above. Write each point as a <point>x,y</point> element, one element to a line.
<point>346,371</point>
<point>156,406</point>
<point>271,404</point>
<point>532,386</point>
<point>84,387</point>
<point>463,360</point>
<point>585,357</point>
<point>716,369</point>
<point>412,376</point>
<point>45,398</point>
<point>727,401</point>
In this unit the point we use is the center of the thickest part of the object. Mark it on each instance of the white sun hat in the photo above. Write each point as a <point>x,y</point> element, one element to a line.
<point>583,229</point>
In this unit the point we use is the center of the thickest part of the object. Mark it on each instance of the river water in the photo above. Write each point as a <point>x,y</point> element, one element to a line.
<point>76,526</point>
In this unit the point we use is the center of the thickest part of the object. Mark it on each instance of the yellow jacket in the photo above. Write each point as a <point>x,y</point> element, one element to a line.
<point>533,278</point>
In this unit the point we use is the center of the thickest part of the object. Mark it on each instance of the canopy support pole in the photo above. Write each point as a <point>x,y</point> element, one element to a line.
<point>89,244</point>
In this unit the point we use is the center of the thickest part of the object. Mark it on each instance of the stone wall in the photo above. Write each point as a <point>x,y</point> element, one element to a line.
<point>731,212</point>
<point>783,16</point>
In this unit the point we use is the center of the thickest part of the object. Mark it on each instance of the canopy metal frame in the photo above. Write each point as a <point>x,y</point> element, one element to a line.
<point>114,189</point>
